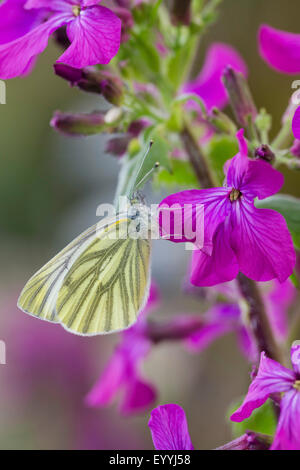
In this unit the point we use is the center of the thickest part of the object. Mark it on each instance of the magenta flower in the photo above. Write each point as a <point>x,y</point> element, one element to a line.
<point>94,32</point>
<point>280,49</point>
<point>122,372</point>
<point>208,85</point>
<point>273,378</point>
<point>222,319</point>
<point>169,428</point>
<point>237,235</point>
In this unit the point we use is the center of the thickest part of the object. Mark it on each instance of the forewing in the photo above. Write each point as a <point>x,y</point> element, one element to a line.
<point>39,295</point>
<point>107,285</point>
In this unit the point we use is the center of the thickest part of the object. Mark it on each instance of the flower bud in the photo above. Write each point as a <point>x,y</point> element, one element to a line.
<point>222,122</point>
<point>295,149</point>
<point>181,12</point>
<point>127,21</point>
<point>91,80</point>
<point>240,96</point>
<point>265,153</point>
<point>78,124</point>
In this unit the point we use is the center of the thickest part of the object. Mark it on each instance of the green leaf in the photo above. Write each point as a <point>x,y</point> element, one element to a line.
<point>289,207</point>
<point>220,149</point>
<point>262,420</point>
<point>181,175</point>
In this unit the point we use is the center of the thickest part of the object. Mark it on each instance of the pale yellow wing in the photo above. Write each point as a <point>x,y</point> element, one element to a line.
<point>107,285</point>
<point>39,295</point>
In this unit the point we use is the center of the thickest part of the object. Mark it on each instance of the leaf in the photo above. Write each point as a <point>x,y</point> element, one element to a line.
<point>220,149</point>
<point>181,175</point>
<point>262,420</point>
<point>289,207</point>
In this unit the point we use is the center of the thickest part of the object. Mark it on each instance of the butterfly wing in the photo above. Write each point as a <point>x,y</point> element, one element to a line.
<point>107,285</point>
<point>39,295</point>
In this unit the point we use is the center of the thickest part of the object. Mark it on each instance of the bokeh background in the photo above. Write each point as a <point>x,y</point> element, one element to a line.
<point>50,187</point>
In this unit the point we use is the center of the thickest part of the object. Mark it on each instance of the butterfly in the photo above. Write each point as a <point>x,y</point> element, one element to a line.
<point>99,283</point>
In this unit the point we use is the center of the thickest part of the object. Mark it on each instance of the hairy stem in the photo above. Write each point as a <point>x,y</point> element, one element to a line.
<point>196,158</point>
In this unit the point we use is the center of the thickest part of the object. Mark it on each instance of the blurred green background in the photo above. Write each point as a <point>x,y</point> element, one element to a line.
<point>50,187</point>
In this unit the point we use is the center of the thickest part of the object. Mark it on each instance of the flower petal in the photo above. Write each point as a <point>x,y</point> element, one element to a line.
<point>296,124</point>
<point>109,383</point>
<point>177,224</point>
<point>254,178</point>
<point>95,36</point>
<point>16,56</point>
<point>280,49</point>
<point>221,319</point>
<point>221,266</point>
<point>287,435</point>
<point>139,396</point>
<point>261,242</point>
<point>169,428</point>
<point>295,357</point>
<point>15,21</point>
<point>238,165</point>
<point>272,377</point>
<point>208,85</point>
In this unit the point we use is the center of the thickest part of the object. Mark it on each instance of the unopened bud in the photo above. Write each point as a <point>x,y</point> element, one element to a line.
<point>91,80</point>
<point>181,12</point>
<point>265,153</point>
<point>295,149</point>
<point>222,122</point>
<point>239,96</point>
<point>78,124</point>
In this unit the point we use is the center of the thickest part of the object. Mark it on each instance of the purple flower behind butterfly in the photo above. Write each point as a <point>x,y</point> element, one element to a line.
<point>122,372</point>
<point>238,237</point>
<point>93,30</point>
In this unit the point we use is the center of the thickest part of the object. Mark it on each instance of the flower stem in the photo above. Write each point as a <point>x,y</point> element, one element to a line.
<point>249,441</point>
<point>196,158</point>
<point>259,322</point>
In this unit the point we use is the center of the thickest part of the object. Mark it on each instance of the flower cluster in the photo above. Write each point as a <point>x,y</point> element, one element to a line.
<point>136,55</point>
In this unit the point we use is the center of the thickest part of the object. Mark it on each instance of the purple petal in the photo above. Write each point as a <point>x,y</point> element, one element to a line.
<point>187,206</point>
<point>221,266</point>
<point>271,378</point>
<point>295,357</point>
<point>287,435</point>
<point>95,36</point>
<point>296,124</point>
<point>138,396</point>
<point>208,85</point>
<point>109,384</point>
<point>253,178</point>
<point>261,242</point>
<point>15,21</point>
<point>53,5</point>
<point>261,180</point>
<point>16,56</point>
<point>169,428</point>
<point>280,49</point>
<point>205,336</point>
<point>236,168</point>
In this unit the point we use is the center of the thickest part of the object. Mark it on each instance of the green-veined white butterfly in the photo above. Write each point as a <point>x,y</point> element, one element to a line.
<point>98,284</point>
